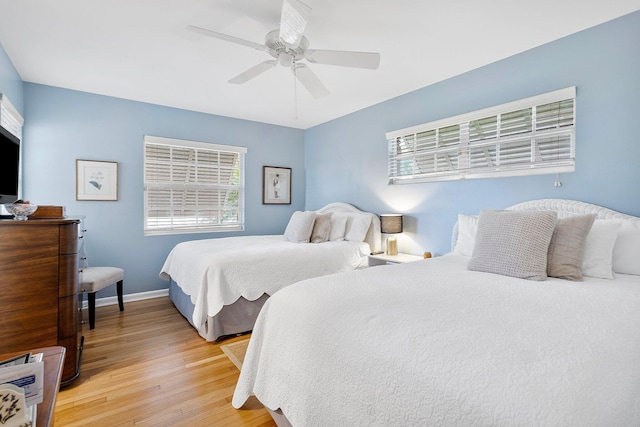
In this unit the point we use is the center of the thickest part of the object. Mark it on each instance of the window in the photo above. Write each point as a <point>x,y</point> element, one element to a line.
<point>527,137</point>
<point>192,187</point>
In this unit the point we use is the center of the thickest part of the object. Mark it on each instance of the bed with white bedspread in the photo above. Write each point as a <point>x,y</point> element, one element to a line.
<point>451,341</point>
<point>219,285</point>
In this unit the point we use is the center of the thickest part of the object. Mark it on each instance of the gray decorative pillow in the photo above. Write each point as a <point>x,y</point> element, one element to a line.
<point>513,243</point>
<point>321,228</point>
<point>300,226</point>
<point>567,247</point>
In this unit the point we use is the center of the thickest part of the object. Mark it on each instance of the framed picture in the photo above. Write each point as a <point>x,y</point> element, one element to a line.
<point>276,185</point>
<point>96,180</point>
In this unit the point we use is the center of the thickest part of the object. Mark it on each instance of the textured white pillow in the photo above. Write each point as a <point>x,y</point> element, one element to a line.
<point>321,228</point>
<point>337,228</point>
<point>627,248</point>
<point>513,243</point>
<point>467,229</point>
<point>598,250</point>
<point>357,227</point>
<point>300,225</point>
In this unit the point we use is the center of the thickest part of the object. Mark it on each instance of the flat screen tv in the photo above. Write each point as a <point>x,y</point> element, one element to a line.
<point>9,166</point>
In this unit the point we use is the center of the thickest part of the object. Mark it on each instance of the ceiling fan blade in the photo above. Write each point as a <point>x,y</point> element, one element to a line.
<point>369,60</point>
<point>253,72</point>
<point>310,81</point>
<point>293,20</point>
<point>226,37</point>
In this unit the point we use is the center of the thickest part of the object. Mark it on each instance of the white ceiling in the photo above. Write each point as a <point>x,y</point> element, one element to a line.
<point>140,49</point>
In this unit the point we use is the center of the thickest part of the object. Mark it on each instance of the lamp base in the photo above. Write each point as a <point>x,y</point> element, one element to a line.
<point>392,246</point>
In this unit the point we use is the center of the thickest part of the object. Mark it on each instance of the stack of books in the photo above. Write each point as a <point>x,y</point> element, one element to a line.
<point>21,389</point>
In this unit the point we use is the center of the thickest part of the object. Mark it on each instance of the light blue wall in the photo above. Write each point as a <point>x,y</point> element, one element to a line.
<point>63,125</point>
<point>346,159</point>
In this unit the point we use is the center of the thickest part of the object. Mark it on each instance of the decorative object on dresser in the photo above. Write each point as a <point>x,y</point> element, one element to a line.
<point>50,212</point>
<point>21,210</point>
<point>276,185</point>
<point>391,224</point>
<point>96,180</point>
<point>92,279</point>
<point>39,292</point>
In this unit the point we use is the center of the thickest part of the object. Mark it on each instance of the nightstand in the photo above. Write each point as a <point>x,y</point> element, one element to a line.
<point>382,259</point>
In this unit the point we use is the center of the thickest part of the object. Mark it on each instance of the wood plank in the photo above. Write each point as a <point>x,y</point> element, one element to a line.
<point>146,366</point>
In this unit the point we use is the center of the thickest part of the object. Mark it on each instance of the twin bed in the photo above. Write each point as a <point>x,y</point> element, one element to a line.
<point>479,336</point>
<point>220,285</point>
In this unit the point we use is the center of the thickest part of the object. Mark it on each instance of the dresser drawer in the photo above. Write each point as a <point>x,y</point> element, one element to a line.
<point>68,275</point>
<point>69,239</point>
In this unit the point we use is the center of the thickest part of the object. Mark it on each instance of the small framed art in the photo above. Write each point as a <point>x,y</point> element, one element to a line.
<point>96,180</point>
<point>276,185</point>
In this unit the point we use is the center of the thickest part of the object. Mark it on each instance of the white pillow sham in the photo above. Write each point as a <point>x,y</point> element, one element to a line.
<point>337,228</point>
<point>357,227</point>
<point>598,250</point>
<point>467,229</point>
<point>300,226</point>
<point>627,248</point>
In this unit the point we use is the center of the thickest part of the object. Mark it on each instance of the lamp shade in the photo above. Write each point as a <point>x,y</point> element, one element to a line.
<point>391,223</point>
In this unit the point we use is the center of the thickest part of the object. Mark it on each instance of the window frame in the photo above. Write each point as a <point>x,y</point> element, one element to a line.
<point>198,223</point>
<point>454,160</point>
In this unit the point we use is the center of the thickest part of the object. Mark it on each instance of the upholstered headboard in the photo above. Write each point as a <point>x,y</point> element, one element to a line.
<point>563,207</point>
<point>373,237</point>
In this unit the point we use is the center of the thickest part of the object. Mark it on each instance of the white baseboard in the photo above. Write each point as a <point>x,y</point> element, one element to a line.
<point>100,302</point>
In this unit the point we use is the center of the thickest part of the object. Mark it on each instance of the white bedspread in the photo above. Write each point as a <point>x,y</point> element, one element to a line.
<point>432,344</point>
<point>216,272</point>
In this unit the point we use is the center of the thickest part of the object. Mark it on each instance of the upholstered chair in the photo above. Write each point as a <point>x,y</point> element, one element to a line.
<point>92,279</point>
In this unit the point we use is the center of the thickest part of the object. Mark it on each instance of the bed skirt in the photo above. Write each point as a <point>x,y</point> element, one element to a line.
<point>235,319</point>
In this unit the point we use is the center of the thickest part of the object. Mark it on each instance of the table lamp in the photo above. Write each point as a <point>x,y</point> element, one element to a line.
<point>391,224</point>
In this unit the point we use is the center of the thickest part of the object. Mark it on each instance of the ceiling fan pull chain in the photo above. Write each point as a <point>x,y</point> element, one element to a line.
<point>295,92</point>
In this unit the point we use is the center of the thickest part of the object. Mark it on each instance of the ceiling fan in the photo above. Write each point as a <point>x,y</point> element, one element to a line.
<point>288,46</point>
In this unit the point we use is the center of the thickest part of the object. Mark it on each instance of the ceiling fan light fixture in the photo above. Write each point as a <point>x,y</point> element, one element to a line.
<point>285,59</point>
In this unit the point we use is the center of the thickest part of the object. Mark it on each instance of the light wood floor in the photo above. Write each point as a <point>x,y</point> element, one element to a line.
<point>147,366</point>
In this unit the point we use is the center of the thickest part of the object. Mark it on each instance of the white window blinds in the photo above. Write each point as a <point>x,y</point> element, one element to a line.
<point>10,119</point>
<point>192,187</point>
<point>526,137</point>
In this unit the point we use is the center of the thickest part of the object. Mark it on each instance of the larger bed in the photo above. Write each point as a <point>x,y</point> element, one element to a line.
<point>441,342</point>
<point>220,285</point>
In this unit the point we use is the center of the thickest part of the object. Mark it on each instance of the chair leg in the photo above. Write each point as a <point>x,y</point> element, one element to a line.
<point>92,309</point>
<point>120,302</point>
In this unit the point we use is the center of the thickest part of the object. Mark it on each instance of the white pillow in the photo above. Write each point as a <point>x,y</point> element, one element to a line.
<point>321,228</point>
<point>337,228</point>
<point>467,229</point>
<point>627,248</point>
<point>598,250</point>
<point>357,227</point>
<point>300,226</point>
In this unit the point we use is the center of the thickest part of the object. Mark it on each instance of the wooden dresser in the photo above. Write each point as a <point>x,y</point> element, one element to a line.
<point>40,298</point>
